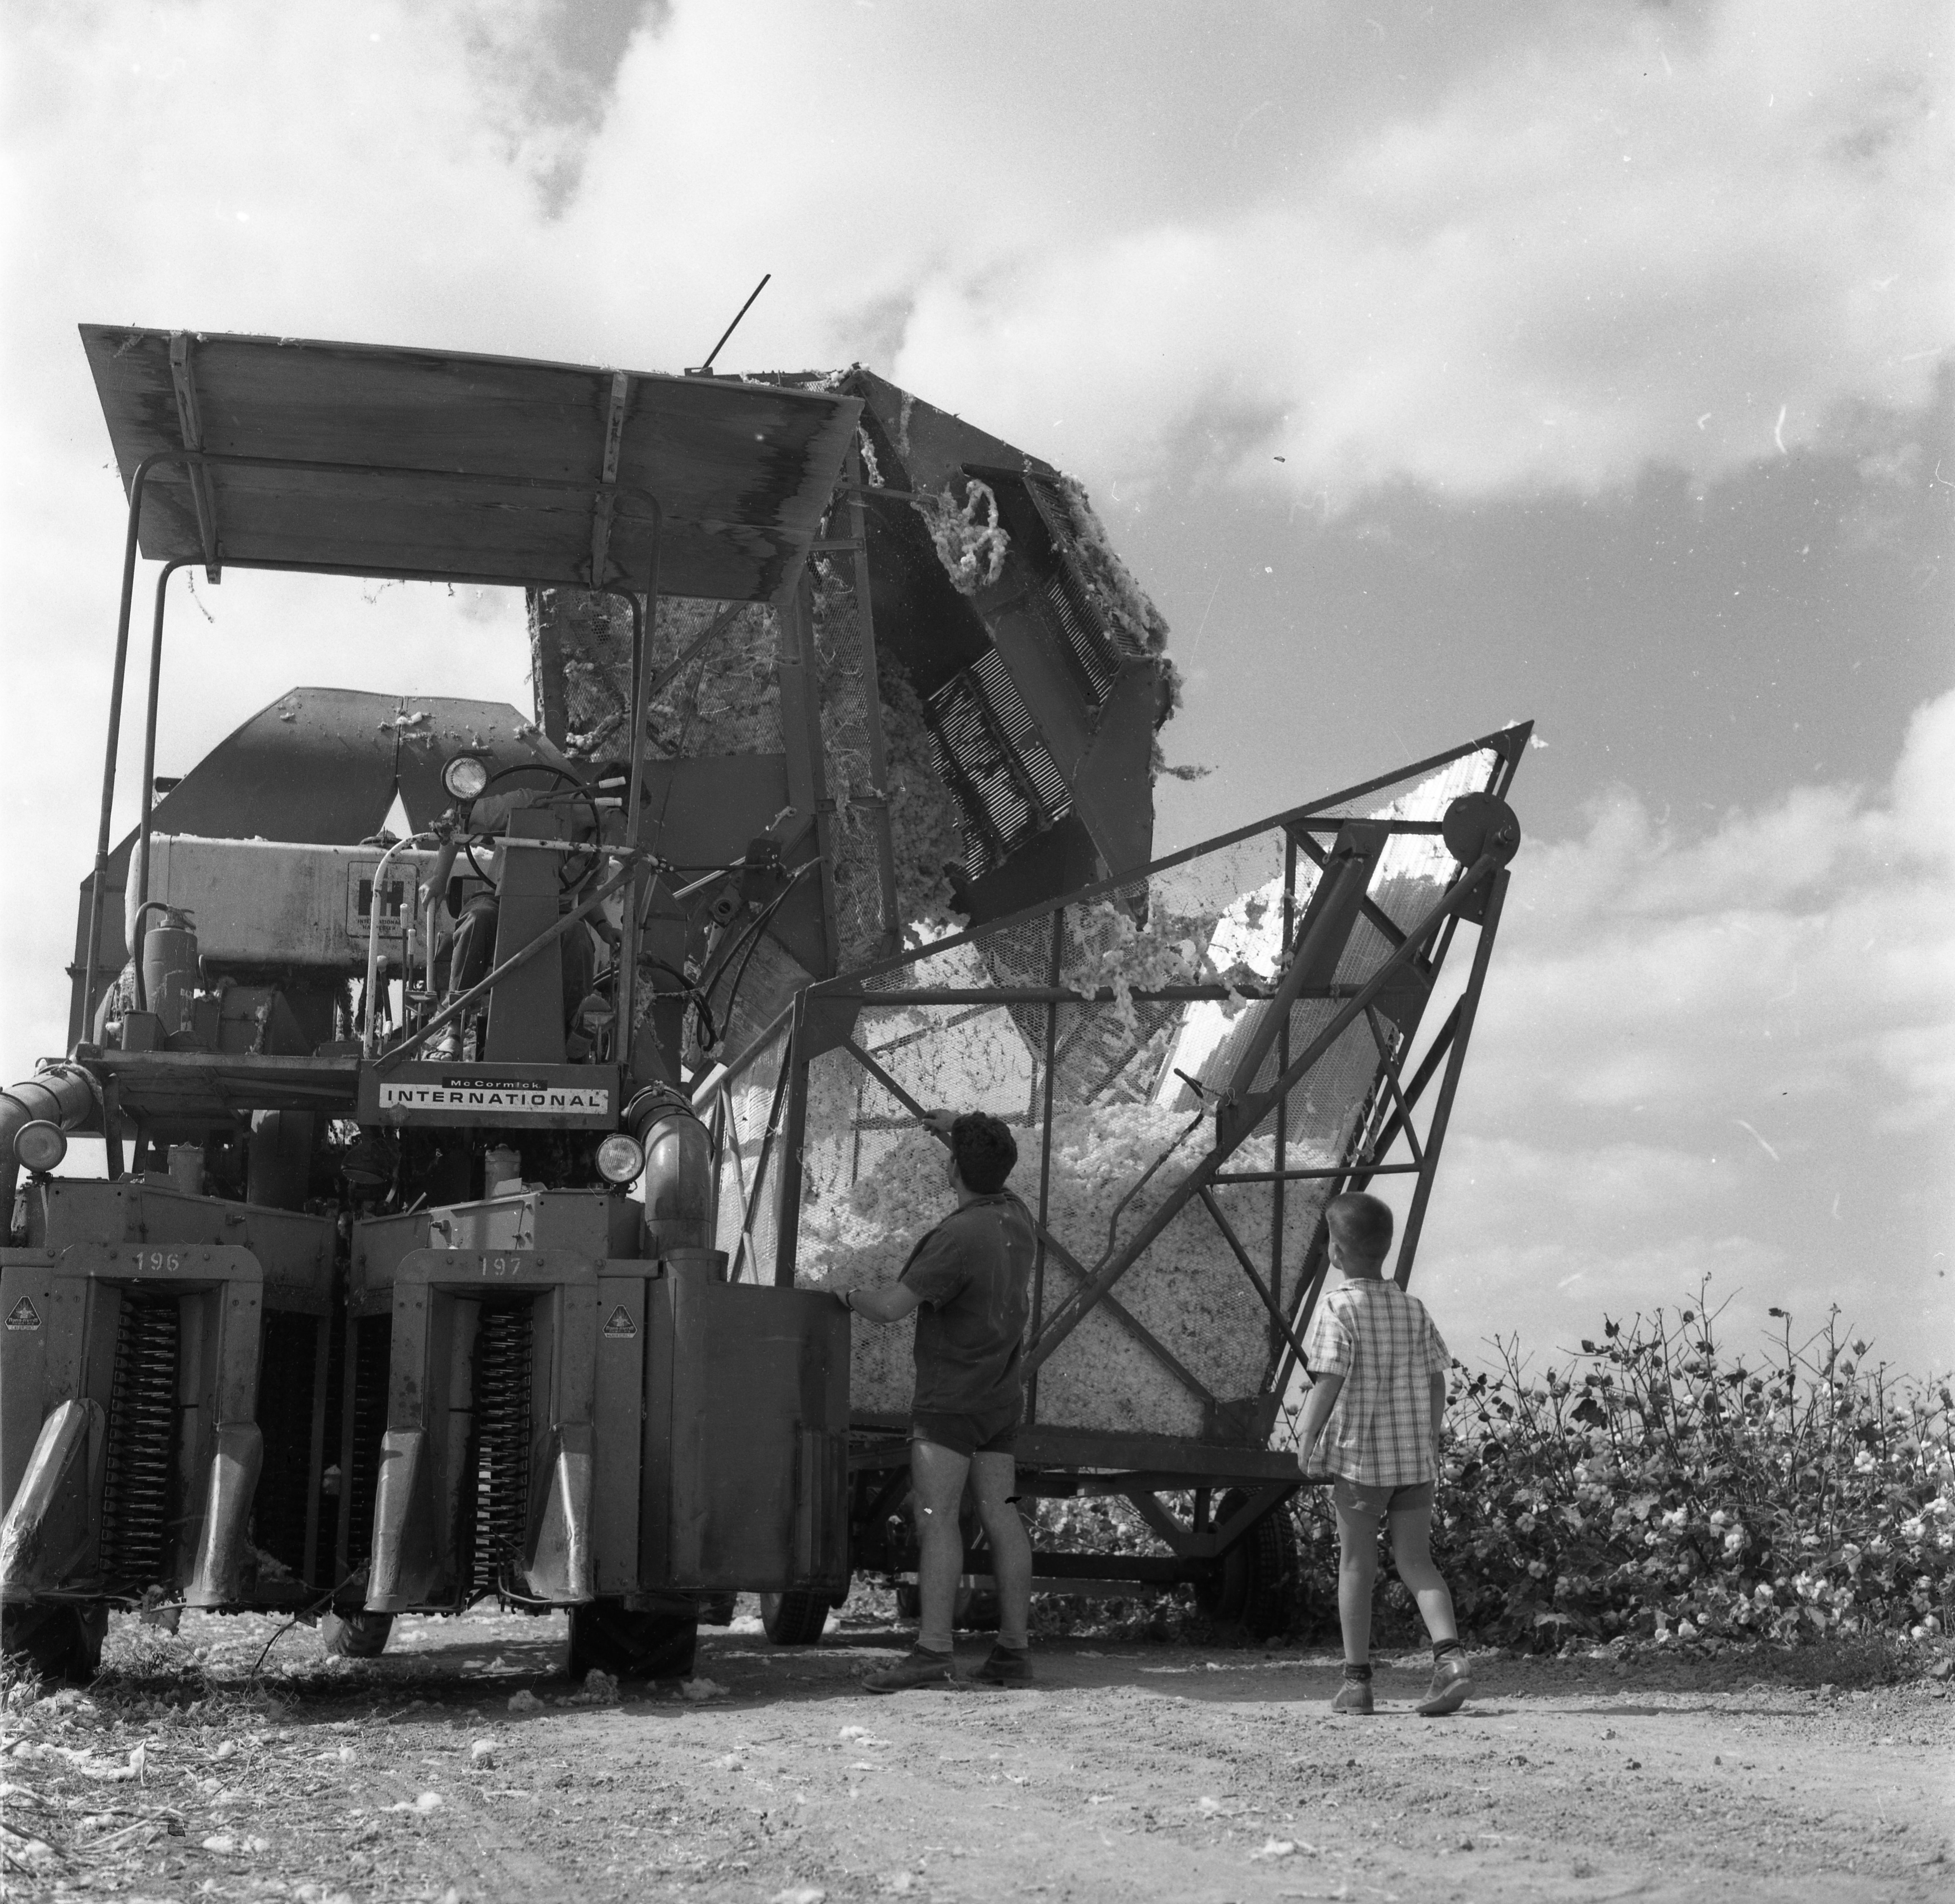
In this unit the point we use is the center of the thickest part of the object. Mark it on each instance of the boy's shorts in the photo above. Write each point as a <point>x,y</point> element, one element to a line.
<point>991,1431</point>
<point>1374,1504</point>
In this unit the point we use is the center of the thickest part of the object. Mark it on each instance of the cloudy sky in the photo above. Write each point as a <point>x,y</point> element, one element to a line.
<point>1433,366</point>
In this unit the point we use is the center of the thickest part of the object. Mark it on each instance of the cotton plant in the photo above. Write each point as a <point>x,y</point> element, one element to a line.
<point>1657,1487</point>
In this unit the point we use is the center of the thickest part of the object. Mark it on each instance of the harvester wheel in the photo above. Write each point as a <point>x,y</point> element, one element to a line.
<point>1251,1587</point>
<point>606,1637</point>
<point>356,1634</point>
<point>59,1639</point>
<point>796,1618</point>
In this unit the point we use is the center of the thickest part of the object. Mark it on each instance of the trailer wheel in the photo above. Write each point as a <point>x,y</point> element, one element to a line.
<point>977,1610</point>
<point>607,1637</point>
<point>1251,1584</point>
<point>356,1633</point>
<point>909,1605</point>
<point>796,1618</point>
<point>59,1639</point>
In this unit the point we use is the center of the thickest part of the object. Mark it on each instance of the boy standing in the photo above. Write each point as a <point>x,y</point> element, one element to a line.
<point>970,1278</point>
<point>1376,1405</point>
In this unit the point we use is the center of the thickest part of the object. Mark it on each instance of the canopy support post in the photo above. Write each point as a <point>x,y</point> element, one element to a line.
<point>643,621</point>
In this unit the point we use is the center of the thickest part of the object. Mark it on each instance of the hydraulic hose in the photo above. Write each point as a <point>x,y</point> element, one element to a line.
<point>407,911</point>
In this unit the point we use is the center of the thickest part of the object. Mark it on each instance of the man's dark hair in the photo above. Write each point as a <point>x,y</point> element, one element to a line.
<point>1362,1224</point>
<point>985,1151</point>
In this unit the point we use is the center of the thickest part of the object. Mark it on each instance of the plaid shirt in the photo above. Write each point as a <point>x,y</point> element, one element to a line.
<point>1383,1343</point>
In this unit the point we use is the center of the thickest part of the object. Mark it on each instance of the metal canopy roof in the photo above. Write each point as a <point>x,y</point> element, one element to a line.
<point>376,461</point>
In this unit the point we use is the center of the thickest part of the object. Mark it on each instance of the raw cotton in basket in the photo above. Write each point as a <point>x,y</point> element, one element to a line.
<point>1188,1290</point>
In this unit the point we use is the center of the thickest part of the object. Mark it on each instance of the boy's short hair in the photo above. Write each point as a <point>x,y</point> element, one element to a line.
<point>985,1151</point>
<point>1362,1224</point>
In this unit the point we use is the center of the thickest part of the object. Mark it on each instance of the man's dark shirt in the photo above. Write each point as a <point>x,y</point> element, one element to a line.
<point>974,1272</point>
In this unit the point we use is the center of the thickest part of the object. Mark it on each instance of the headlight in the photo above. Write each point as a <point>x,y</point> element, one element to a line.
<point>619,1158</point>
<point>40,1146</point>
<point>465,776</point>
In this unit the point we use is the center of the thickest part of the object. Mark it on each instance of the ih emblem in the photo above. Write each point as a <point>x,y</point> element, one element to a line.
<point>24,1315</point>
<point>620,1322</point>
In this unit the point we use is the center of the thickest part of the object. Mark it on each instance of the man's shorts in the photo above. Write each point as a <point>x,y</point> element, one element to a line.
<point>1374,1504</point>
<point>991,1431</point>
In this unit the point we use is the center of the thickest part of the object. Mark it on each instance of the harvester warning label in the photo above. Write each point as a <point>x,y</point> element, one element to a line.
<point>496,1094</point>
<point>620,1322</point>
<point>24,1315</point>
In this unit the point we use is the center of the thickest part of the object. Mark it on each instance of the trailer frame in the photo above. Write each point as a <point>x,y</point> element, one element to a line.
<point>1202,1495</point>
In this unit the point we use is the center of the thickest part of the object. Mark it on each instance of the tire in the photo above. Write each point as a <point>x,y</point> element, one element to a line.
<point>977,1610</point>
<point>909,1605</point>
<point>59,1639</point>
<point>795,1618</point>
<point>1252,1585</point>
<point>607,1637</point>
<point>356,1633</point>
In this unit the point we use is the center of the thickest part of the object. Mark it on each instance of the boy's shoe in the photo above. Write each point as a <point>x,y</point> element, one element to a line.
<point>1354,1696</point>
<point>1007,1667</point>
<point>1452,1681</point>
<point>918,1667</point>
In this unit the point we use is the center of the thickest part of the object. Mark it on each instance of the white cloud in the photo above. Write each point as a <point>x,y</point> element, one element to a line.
<point>1630,235</point>
<point>1733,1054</point>
<point>1646,240</point>
<point>1804,946</point>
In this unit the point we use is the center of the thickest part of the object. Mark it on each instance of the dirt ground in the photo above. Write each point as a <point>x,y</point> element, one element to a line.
<point>1134,1771</point>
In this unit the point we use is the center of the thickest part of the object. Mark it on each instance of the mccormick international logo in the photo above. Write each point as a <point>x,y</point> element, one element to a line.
<point>478,1093</point>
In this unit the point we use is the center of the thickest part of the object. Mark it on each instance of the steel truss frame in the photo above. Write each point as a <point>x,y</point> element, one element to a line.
<point>1232,1453</point>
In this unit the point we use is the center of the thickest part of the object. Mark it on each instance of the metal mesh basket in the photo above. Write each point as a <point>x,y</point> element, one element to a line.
<point>1117,1032</point>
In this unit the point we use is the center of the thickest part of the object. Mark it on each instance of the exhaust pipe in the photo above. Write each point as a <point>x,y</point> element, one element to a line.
<point>678,1171</point>
<point>63,1094</point>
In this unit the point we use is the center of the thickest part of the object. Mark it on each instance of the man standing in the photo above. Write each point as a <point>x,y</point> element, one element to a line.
<point>969,1278</point>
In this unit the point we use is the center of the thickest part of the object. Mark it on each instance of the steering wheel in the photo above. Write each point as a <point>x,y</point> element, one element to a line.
<point>567,880</point>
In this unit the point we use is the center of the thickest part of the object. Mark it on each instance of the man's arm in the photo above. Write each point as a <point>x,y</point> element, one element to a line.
<point>891,1303</point>
<point>1438,1407</point>
<point>1317,1407</point>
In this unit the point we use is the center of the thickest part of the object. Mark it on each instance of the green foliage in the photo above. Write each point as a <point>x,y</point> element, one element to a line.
<point>1658,1486</point>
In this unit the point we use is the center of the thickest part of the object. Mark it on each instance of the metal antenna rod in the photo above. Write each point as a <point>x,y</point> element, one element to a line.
<point>730,328</point>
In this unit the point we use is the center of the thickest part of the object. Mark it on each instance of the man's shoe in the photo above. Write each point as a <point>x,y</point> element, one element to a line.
<point>1354,1696</point>
<point>918,1667</point>
<point>1452,1681</point>
<point>1007,1667</point>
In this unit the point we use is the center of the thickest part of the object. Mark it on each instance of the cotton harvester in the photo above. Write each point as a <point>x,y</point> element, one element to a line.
<point>409,1293</point>
<point>488,1177</point>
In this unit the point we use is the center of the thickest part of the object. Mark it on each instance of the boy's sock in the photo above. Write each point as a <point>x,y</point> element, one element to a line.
<point>1358,1670</point>
<point>1441,1647</point>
